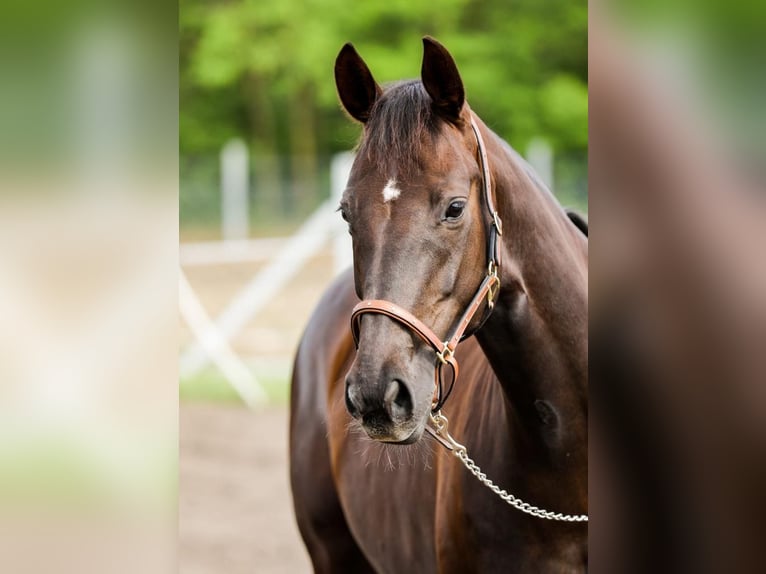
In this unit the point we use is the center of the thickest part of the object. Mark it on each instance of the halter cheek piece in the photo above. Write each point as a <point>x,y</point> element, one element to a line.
<point>445,350</point>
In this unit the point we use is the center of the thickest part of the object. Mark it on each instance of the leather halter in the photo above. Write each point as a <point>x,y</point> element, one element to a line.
<point>445,350</point>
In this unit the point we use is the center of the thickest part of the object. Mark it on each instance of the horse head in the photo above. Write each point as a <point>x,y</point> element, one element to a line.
<point>417,216</point>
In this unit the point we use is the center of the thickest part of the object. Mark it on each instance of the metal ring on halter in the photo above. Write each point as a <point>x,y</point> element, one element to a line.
<point>445,354</point>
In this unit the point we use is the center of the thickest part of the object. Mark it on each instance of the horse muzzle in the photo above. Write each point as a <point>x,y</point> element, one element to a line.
<point>385,411</point>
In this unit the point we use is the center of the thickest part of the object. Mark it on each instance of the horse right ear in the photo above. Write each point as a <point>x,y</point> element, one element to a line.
<point>357,88</point>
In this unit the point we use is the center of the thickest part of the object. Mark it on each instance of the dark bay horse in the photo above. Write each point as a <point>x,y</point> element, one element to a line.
<point>374,492</point>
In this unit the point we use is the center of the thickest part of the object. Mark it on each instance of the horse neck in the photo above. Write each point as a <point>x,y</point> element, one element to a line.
<point>536,337</point>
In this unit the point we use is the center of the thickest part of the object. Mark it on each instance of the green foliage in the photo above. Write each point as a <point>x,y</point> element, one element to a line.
<point>263,71</point>
<point>564,110</point>
<point>524,62</point>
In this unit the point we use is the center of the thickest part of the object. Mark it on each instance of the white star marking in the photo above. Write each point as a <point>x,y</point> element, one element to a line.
<point>390,192</point>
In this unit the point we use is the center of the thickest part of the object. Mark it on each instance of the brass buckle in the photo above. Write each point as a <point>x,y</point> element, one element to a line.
<point>492,293</point>
<point>495,286</point>
<point>445,354</point>
<point>492,269</point>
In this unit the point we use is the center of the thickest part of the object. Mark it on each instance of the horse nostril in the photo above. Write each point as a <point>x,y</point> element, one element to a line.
<point>398,401</point>
<point>351,406</point>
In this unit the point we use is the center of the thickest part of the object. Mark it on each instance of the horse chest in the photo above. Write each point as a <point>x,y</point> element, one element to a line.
<point>386,498</point>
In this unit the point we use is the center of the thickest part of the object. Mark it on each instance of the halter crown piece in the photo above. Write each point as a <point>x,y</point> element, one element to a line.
<point>489,288</point>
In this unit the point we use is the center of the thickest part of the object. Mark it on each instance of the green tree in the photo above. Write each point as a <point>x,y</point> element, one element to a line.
<point>263,71</point>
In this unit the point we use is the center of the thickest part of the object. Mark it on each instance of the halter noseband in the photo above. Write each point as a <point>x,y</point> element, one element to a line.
<point>445,350</point>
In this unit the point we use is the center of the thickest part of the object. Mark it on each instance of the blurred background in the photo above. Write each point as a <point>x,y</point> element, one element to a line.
<point>264,153</point>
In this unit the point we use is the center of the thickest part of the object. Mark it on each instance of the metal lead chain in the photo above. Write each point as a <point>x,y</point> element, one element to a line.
<point>440,426</point>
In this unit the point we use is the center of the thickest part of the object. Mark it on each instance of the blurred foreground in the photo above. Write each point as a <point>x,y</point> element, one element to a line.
<point>678,291</point>
<point>88,287</point>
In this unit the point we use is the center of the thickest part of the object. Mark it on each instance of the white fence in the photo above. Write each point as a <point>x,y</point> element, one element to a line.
<point>285,258</point>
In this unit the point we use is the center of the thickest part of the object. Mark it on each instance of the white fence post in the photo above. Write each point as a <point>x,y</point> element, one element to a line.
<point>342,247</point>
<point>235,213</point>
<point>540,157</point>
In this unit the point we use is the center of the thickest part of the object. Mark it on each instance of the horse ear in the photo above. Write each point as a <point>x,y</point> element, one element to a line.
<point>441,79</point>
<point>356,86</point>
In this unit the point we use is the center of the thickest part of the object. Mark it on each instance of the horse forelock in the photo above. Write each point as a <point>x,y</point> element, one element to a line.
<point>401,124</point>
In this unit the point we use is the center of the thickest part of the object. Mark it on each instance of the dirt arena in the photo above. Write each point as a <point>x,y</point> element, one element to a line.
<point>235,507</point>
<point>235,510</point>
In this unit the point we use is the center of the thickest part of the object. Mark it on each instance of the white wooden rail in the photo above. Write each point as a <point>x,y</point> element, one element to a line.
<point>216,347</point>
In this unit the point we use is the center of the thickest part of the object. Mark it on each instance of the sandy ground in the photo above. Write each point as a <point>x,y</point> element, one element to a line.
<point>235,506</point>
<point>235,509</point>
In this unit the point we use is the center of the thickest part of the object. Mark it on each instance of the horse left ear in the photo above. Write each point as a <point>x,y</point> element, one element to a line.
<point>357,89</point>
<point>441,79</point>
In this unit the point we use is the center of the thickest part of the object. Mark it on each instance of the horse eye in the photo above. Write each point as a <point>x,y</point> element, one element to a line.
<point>344,215</point>
<point>455,210</point>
